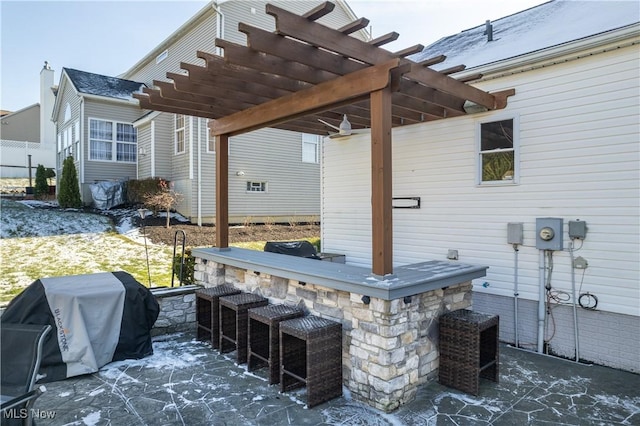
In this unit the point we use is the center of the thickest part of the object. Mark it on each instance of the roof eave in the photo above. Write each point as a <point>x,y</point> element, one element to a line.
<point>130,102</point>
<point>64,78</point>
<point>171,39</point>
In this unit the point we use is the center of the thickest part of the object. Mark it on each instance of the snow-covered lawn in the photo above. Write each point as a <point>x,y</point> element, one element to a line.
<point>37,241</point>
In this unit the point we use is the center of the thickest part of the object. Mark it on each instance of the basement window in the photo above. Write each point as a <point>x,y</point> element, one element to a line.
<point>497,152</point>
<point>253,186</point>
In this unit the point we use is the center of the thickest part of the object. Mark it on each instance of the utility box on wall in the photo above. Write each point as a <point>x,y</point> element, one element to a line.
<point>549,233</point>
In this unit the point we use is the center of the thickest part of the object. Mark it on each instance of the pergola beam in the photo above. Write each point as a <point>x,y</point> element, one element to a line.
<point>323,96</point>
<point>305,73</point>
<point>291,25</point>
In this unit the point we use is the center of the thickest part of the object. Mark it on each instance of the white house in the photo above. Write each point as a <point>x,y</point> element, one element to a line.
<point>566,147</point>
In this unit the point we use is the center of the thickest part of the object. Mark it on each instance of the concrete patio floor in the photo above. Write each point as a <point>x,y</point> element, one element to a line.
<point>186,382</point>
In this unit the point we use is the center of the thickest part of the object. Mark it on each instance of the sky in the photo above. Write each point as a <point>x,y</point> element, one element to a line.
<point>109,37</point>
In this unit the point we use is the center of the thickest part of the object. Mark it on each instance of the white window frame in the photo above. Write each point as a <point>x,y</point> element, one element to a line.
<point>179,134</point>
<point>515,149</point>
<point>255,186</point>
<point>310,143</point>
<point>211,141</point>
<point>77,138</point>
<point>114,142</point>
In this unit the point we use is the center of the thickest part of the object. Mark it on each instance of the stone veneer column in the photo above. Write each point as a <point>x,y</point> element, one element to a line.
<point>394,344</point>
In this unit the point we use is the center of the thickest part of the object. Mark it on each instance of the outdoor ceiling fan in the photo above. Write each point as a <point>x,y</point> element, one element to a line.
<point>344,129</point>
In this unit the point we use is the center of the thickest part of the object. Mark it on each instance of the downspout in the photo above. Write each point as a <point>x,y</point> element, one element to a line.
<point>515,293</point>
<point>574,299</point>
<point>82,141</point>
<point>153,148</point>
<point>200,171</point>
<point>541,299</point>
<point>219,25</point>
<point>191,147</point>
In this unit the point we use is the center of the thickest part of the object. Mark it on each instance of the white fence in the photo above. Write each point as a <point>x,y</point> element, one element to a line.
<point>14,158</point>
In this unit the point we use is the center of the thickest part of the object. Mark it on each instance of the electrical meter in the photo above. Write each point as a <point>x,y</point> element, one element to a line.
<point>549,233</point>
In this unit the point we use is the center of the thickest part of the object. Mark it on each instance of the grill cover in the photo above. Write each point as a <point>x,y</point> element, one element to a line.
<point>97,319</point>
<point>292,248</point>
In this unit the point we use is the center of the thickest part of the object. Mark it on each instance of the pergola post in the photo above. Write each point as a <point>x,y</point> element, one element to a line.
<point>381,182</point>
<point>222,191</point>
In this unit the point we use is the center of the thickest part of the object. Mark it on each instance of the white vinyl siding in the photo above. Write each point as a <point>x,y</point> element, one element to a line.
<point>579,159</point>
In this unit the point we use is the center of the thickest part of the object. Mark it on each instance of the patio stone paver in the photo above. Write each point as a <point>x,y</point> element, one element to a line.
<point>186,382</point>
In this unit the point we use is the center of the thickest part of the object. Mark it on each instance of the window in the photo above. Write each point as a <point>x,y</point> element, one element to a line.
<point>310,144</point>
<point>256,186</point>
<point>125,143</point>
<point>161,57</point>
<point>497,152</point>
<point>211,141</point>
<point>179,129</point>
<point>104,141</point>
<point>77,139</point>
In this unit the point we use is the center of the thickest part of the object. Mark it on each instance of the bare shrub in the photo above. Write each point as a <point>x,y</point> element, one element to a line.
<point>165,198</point>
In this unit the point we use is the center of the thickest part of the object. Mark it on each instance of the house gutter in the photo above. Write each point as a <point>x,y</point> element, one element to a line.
<point>200,171</point>
<point>129,102</point>
<point>153,148</point>
<point>219,25</point>
<point>571,51</point>
<point>82,140</point>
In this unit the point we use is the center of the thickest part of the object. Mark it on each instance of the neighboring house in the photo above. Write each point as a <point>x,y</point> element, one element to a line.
<point>94,115</point>
<point>29,133</point>
<point>276,180</point>
<point>566,147</point>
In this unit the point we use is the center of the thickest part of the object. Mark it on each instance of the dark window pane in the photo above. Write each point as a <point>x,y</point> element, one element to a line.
<point>496,135</point>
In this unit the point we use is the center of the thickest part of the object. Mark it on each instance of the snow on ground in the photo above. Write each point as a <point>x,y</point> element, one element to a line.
<point>76,242</point>
<point>42,219</point>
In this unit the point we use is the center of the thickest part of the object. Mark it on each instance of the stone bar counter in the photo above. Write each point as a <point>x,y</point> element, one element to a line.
<point>389,323</point>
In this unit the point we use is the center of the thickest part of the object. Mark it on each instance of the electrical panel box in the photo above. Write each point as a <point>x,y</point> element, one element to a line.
<point>515,232</point>
<point>549,233</point>
<point>577,229</point>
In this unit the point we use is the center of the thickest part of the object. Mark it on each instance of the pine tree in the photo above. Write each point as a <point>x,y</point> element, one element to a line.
<point>69,193</point>
<point>42,186</point>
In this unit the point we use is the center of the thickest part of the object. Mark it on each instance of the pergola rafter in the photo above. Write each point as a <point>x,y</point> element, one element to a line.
<point>305,72</point>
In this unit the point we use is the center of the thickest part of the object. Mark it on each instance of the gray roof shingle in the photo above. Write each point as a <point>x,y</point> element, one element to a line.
<point>102,85</point>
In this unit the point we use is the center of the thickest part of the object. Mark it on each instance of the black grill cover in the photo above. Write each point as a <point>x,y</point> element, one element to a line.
<point>96,319</point>
<point>292,248</point>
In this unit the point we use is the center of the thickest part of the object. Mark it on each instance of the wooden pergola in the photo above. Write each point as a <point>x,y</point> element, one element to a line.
<point>305,72</point>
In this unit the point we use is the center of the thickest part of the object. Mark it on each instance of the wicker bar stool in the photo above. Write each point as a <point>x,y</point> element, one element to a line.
<point>468,349</point>
<point>234,318</point>
<point>207,307</point>
<point>311,355</point>
<point>264,337</point>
